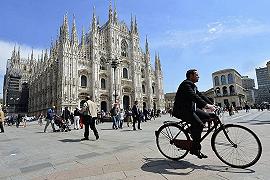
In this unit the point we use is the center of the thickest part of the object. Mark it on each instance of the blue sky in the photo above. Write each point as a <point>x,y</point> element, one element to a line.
<point>207,35</point>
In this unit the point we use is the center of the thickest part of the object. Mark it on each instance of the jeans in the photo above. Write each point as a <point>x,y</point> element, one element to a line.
<point>115,124</point>
<point>49,121</point>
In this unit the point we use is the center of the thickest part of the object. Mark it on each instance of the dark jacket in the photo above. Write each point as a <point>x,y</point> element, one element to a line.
<point>66,114</point>
<point>186,97</point>
<point>113,111</point>
<point>135,112</point>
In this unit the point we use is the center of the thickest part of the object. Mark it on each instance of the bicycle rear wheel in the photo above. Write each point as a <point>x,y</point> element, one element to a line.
<point>165,137</point>
<point>245,152</point>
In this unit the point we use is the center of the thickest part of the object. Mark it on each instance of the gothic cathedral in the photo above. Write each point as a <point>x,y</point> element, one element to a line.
<point>107,63</point>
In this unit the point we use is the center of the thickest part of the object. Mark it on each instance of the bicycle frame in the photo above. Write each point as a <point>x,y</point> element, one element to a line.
<point>217,125</point>
<point>221,125</point>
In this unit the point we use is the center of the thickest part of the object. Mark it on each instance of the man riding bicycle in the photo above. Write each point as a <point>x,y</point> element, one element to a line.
<point>188,106</point>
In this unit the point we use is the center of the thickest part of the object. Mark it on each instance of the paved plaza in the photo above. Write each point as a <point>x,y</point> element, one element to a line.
<point>28,153</point>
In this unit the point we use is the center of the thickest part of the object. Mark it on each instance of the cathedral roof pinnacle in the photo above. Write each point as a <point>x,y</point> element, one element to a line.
<point>74,37</point>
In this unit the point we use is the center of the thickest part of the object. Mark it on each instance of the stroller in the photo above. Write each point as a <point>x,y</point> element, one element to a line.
<point>61,123</point>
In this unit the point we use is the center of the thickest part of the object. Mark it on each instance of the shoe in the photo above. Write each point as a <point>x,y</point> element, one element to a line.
<point>97,137</point>
<point>134,129</point>
<point>139,128</point>
<point>83,139</point>
<point>198,154</point>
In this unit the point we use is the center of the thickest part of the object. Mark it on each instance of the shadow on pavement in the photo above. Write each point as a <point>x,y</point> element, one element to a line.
<point>126,130</point>
<point>70,140</point>
<point>255,122</point>
<point>165,166</point>
<point>106,129</point>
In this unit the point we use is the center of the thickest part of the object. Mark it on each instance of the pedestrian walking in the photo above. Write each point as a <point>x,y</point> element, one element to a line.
<point>136,115</point>
<point>114,116</point>
<point>76,118</point>
<point>128,115</point>
<point>40,119</point>
<point>89,111</point>
<point>50,118</point>
<point>2,119</point>
<point>121,118</point>
<point>66,115</point>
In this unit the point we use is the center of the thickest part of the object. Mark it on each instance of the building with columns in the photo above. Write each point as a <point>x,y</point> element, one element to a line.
<point>228,88</point>
<point>107,63</point>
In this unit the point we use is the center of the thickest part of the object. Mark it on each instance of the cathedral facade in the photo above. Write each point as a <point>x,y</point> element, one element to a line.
<point>107,63</point>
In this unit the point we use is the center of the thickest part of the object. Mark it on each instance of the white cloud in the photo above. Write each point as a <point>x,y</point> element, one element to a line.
<point>232,27</point>
<point>6,49</point>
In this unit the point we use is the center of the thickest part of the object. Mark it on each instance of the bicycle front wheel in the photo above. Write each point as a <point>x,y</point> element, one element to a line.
<point>165,136</point>
<point>243,151</point>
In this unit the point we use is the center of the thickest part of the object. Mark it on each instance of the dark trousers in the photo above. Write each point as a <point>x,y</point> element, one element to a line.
<point>197,120</point>
<point>89,121</point>
<point>136,119</point>
<point>1,127</point>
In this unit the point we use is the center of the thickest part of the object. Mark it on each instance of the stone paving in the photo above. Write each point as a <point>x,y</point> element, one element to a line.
<point>28,153</point>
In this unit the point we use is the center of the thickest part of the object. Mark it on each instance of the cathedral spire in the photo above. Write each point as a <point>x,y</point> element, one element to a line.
<point>42,57</point>
<point>46,55</point>
<point>94,20</point>
<point>115,12</point>
<point>74,37</point>
<point>14,52</point>
<point>146,46</point>
<point>32,55</point>
<point>83,38</point>
<point>135,26</point>
<point>19,54</point>
<point>110,13</point>
<point>157,63</point>
<point>131,24</point>
<point>64,29</point>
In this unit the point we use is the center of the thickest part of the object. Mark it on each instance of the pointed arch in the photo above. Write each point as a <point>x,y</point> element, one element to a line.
<point>103,83</point>
<point>125,73</point>
<point>83,81</point>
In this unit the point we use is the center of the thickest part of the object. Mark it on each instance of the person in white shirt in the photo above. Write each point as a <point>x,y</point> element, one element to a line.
<point>89,111</point>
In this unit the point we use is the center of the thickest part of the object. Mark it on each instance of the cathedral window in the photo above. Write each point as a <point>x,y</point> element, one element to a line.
<point>102,64</point>
<point>143,73</point>
<point>103,83</point>
<point>125,73</point>
<point>124,48</point>
<point>83,81</point>
<point>143,89</point>
<point>153,89</point>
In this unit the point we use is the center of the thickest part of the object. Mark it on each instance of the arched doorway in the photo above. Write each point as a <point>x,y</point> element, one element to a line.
<point>103,106</point>
<point>126,102</point>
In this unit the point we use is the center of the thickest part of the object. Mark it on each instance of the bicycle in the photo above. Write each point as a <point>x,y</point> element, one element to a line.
<point>235,145</point>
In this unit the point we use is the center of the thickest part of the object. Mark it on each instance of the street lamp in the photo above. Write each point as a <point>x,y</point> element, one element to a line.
<point>14,102</point>
<point>114,65</point>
